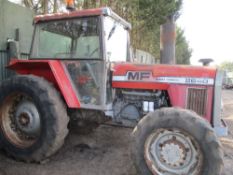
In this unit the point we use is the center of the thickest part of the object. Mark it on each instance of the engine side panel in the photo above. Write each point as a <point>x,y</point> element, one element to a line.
<point>186,86</point>
<point>51,70</point>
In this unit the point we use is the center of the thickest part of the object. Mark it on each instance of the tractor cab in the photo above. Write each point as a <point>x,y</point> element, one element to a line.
<point>85,42</point>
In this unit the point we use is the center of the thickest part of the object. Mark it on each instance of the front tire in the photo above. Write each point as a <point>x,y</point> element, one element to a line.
<point>33,118</point>
<point>176,141</point>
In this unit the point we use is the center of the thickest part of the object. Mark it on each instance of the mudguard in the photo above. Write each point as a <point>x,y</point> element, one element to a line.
<point>51,70</point>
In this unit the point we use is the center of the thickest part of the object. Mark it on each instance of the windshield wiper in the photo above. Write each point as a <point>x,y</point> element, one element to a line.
<point>112,31</point>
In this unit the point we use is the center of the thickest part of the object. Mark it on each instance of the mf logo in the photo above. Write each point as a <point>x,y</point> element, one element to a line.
<point>138,76</point>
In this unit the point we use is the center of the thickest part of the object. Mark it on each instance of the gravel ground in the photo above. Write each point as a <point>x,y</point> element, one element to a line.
<point>104,152</point>
<point>227,142</point>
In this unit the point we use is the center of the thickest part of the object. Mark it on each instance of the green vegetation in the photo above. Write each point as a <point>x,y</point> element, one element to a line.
<point>146,16</point>
<point>183,52</point>
<point>227,66</point>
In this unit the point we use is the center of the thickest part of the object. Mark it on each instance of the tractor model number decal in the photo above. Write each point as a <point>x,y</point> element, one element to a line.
<point>185,80</point>
<point>145,76</point>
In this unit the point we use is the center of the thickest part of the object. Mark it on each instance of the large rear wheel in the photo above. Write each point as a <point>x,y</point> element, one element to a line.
<point>173,141</point>
<point>33,118</point>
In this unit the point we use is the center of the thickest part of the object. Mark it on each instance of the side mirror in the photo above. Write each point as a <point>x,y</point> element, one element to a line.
<point>13,48</point>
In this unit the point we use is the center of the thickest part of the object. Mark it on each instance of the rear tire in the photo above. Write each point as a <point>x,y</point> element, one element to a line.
<point>33,118</point>
<point>172,141</point>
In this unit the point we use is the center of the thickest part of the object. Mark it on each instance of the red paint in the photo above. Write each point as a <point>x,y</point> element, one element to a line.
<point>51,70</point>
<point>176,92</point>
<point>165,70</point>
<point>78,13</point>
<point>139,85</point>
<point>83,79</point>
<point>178,97</point>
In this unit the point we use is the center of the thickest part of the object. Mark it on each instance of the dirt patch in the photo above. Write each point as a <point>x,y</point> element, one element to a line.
<point>105,152</point>
<point>227,142</point>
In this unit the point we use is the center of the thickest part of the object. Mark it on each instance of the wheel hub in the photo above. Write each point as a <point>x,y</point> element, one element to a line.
<point>24,119</point>
<point>27,118</point>
<point>20,120</point>
<point>173,152</point>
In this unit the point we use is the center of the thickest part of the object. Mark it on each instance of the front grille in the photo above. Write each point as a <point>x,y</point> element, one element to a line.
<point>197,100</point>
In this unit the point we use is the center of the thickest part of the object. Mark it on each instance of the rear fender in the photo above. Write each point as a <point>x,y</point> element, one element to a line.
<point>51,70</point>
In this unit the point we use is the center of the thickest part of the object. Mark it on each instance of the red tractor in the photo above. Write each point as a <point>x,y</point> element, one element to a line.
<point>80,73</point>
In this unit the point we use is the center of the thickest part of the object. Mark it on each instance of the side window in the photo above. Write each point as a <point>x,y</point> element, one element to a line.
<point>116,40</point>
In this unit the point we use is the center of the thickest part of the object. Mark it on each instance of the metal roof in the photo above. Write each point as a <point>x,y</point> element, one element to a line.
<point>106,11</point>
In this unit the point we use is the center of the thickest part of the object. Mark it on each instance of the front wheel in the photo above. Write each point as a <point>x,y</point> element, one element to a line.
<point>173,141</point>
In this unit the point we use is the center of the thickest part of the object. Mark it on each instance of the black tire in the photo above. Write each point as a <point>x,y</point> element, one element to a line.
<point>186,121</point>
<point>52,114</point>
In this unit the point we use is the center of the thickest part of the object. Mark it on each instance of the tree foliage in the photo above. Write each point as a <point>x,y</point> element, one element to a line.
<point>183,52</point>
<point>227,66</point>
<point>43,6</point>
<point>146,16</point>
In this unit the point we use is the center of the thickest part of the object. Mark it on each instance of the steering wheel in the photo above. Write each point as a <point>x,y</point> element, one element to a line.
<point>89,68</point>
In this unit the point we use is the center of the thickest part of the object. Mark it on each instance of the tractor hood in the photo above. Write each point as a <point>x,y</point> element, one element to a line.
<point>141,76</point>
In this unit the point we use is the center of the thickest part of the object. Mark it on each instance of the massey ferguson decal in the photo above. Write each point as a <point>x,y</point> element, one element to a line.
<point>138,76</point>
<point>145,76</point>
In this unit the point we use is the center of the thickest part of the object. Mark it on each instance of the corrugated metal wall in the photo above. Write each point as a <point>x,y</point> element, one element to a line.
<point>4,60</point>
<point>16,24</point>
<point>24,56</point>
<point>144,57</point>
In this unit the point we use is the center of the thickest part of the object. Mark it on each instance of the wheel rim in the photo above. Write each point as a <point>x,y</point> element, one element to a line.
<point>173,151</point>
<point>20,120</point>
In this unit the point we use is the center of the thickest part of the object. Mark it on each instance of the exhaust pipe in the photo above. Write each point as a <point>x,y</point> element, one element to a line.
<point>168,41</point>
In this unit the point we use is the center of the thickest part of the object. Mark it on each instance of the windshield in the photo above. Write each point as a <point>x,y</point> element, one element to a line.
<point>65,39</point>
<point>116,38</point>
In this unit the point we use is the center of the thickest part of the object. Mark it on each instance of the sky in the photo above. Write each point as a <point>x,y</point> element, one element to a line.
<point>208,26</point>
